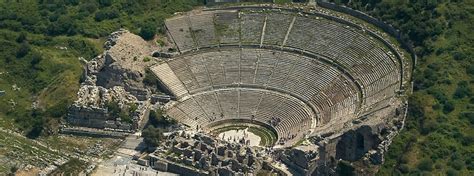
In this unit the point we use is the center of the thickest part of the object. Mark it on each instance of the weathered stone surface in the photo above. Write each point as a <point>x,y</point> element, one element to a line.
<point>355,143</point>
<point>202,158</point>
<point>116,75</point>
<point>90,109</point>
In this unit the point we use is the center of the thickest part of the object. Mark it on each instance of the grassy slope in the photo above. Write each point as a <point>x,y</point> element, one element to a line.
<point>443,139</point>
<point>439,142</point>
<point>72,167</point>
<point>50,75</point>
<point>55,80</point>
<point>439,135</point>
<point>79,26</point>
<point>434,141</point>
<point>14,148</point>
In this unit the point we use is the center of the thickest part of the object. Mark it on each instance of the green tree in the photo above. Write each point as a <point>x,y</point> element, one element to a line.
<point>23,50</point>
<point>448,107</point>
<point>147,31</point>
<point>345,168</point>
<point>462,90</point>
<point>105,3</point>
<point>157,119</point>
<point>21,38</point>
<point>152,136</point>
<point>425,164</point>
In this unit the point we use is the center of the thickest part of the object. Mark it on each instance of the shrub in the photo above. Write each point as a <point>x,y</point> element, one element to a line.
<point>470,164</point>
<point>404,168</point>
<point>457,164</point>
<point>36,118</point>
<point>23,50</point>
<point>448,107</point>
<point>158,119</point>
<point>452,172</point>
<point>462,90</point>
<point>116,112</point>
<point>21,38</point>
<point>404,159</point>
<point>428,127</point>
<point>84,48</point>
<point>105,3</point>
<point>468,115</point>
<point>146,59</point>
<point>467,140</point>
<point>345,168</point>
<point>65,25</point>
<point>160,43</point>
<point>150,79</point>
<point>470,69</point>
<point>58,110</point>
<point>106,14</point>
<point>425,165</point>
<point>439,95</point>
<point>88,7</point>
<point>35,59</point>
<point>147,31</point>
<point>152,136</point>
<point>459,56</point>
<point>436,106</point>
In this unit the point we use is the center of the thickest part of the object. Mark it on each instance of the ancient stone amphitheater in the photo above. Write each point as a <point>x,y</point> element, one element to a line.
<point>298,73</point>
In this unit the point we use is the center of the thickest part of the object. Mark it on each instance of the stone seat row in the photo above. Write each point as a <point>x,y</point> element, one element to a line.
<point>333,94</point>
<point>250,104</point>
<point>288,72</point>
<point>360,54</point>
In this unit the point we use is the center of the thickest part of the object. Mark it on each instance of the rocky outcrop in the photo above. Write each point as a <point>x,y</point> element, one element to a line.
<point>97,96</point>
<point>123,63</point>
<point>114,76</point>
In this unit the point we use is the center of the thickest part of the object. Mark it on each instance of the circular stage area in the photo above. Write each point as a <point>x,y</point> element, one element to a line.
<point>245,133</point>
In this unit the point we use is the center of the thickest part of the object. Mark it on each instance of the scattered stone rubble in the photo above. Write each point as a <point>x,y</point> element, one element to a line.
<point>90,110</point>
<point>302,159</point>
<point>188,153</point>
<point>114,76</point>
<point>191,153</point>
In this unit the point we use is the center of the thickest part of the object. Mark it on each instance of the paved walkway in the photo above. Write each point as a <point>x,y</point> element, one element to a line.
<point>122,164</point>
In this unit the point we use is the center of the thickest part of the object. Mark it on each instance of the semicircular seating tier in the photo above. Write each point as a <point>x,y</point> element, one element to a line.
<point>247,105</point>
<point>339,71</point>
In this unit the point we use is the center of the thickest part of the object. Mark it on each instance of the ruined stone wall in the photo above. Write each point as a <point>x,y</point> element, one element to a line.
<point>366,144</point>
<point>93,133</point>
<point>215,2</point>
<point>140,116</point>
<point>354,144</point>
<point>87,116</point>
<point>190,153</point>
